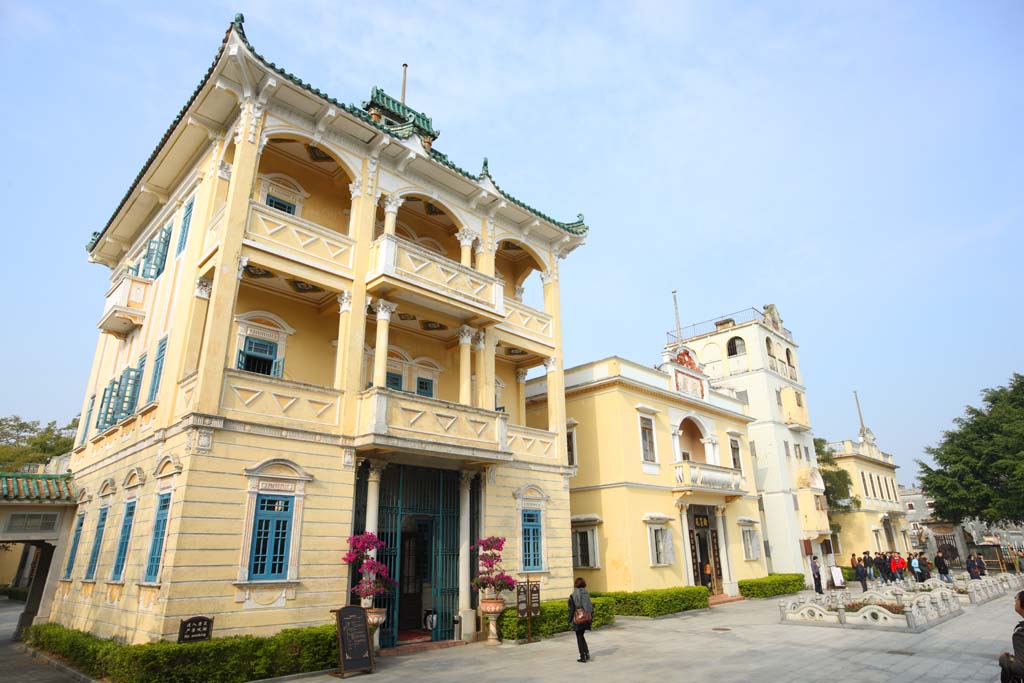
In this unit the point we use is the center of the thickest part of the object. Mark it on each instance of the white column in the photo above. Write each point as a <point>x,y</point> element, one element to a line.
<point>380,351</point>
<point>391,206</point>
<point>723,548</point>
<point>466,613</point>
<point>373,498</point>
<point>684,524</point>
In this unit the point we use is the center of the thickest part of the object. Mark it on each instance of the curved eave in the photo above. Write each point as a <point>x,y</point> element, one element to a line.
<point>182,143</point>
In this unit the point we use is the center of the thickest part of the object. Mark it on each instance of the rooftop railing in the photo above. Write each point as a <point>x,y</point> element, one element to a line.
<point>746,315</point>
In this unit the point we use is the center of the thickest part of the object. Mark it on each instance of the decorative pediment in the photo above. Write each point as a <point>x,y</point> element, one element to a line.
<point>278,468</point>
<point>531,492</point>
<point>656,518</point>
<point>167,467</point>
<point>84,496</point>
<point>107,487</point>
<point>135,477</point>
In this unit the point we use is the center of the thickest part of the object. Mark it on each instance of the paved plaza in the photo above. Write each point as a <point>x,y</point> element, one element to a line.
<point>740,641</point>
<point>15,665</point>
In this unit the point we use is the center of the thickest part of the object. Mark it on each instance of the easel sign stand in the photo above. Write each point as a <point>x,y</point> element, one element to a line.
<point>355,646</point>
<point>528,604</point>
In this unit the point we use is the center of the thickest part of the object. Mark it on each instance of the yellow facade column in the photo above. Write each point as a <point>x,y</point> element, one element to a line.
<point>197,325</point>
<point>521,396</point>
<point>466,334</point>
<point>556,396</point>
<point>384,310</point>
<point>485,250</point>
<point>466,239</point>
<point>481,363</point>
<point>228,261</point>
<point>391,206</point>
<point>490,345</point>
<point>555,376</point>
<point>341,355</point>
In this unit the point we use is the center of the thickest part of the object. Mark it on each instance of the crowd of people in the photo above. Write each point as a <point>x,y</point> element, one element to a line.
<point>892,566</point>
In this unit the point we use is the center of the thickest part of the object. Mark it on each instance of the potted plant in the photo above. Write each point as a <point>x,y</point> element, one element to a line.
<point>492,580</point>
<point>374,579</point>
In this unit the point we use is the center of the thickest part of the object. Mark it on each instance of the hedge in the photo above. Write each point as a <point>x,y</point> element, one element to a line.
<point>656,602</point>
<point>235,659</point>
<point>12,593</point>
<point>554,618</point>
<point>773,584</point>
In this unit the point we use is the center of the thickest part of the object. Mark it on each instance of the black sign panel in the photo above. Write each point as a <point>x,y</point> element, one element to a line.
<point>522,608</point>
<point>355,647</point>
<point>195,629</point>
<point>535,599</point>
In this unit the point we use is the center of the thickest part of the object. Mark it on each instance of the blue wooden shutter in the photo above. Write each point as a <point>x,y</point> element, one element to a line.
<point>186,220</point>
<point>425,387</point>
<point>158,368</point>
<point>277,368</point>
<point>88,420</point>
<point>394,381</point>
<point>156,546</point>
<point>102,414</point>
<point>271,538</point>
<point>122,543</point>
<point>114,404</point>
<point>74,546</point>
<point>532,540</point>
<point>280,204</point>
<point>240,363</point>
<point>97,544</point>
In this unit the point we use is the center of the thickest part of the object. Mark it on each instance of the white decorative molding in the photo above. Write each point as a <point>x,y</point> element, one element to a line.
<point>550,364</point>
<point>466,334</point>
<point>203,288</point>
<point>548,276</point>
<point>243,261</point>
<point>356,188</point>
<point>466,237</point>
<point>224,170</point>
<point>344,302</point>
<point>521,375</point>
<point>392,203</point>
<point>384,309</point>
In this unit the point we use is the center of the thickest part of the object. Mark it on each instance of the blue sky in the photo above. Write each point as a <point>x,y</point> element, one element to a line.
<point>860,164</point>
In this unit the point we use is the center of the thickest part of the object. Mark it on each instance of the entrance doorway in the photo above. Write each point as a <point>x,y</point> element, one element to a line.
<point>704,549</point>
<point>418,520</point>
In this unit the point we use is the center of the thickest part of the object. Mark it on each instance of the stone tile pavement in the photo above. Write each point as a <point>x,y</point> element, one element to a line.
<point>734,642</point>
<point>15,665</point>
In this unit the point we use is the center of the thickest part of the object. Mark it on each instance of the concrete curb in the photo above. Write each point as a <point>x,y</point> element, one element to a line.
<point>59,666</point>
<point>295,677</point>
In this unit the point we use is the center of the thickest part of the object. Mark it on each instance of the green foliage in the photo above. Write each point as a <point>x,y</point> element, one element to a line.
<point>24,442</point>
<point>236,659</point>
<point>979,466</point>
<point>654,603</point>
<point>838,482</point>
<point>849,574</point>
<point>554,618</point>
<point>773,584</point>
<point>18,594</point>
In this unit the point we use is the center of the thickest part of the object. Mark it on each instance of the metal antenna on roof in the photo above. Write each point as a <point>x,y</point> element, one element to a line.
<point>859,413</point>
<point>679,329</point>
<point>405,71</point>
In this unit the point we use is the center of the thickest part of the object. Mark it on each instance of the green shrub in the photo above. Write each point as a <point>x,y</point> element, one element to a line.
<point>773,584</point>
<point>86,652</point>
<point>654,603</point>
<point>554,618</point>
<point>12,593</point>
<point>849,574</point>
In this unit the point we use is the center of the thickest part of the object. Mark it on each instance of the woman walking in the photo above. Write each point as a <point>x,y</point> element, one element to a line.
<point>581,616</point>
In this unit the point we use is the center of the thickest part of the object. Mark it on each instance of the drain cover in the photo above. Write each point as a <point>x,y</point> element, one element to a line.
<point>899,652</point>
<point>721,628</point>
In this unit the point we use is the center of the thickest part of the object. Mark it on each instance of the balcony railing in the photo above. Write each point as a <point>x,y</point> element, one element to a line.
<point>527,442</point>
<point>248,395</point>
<point>797,420</point>
<point>297,238</point>
<point>722,322</point>
<point>528,322</point>
<point>699,476</point>
<point>400,259</point>
<point>125,306</point>
<point>397,419</point>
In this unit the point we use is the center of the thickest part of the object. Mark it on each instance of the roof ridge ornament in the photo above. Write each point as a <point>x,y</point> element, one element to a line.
<point>485,172</point>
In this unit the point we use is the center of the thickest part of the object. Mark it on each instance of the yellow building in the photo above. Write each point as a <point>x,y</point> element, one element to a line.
<point>751,354</point>
<point>663,493</point>
<point>879,524</point>
<point>315,326</point>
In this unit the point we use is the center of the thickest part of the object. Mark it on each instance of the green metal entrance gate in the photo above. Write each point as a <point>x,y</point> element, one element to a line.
<point>425,502</point>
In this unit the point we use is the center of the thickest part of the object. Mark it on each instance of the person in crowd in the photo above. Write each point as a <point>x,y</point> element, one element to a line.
<point>853,561</point>
<point>880,567</point>
<point>581,617</point>
<point>869,565</point>
<point>894,567</point>
<point>816,575</point>
<point>980,560</point>
<point>926,568</point>
<point>901,563</point>
<point>942,567</point>
<point>915,567</point>
<point>861,573</point>
<point>972,568</point>
<point>1012,665</point>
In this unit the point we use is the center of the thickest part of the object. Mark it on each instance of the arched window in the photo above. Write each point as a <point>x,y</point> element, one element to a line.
<point>736,347</point>
<point>789,358</point>
<point>768,344</point>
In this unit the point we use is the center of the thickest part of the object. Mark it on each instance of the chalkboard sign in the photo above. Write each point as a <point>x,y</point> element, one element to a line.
<point>195,629</point>
<point>355,647</point>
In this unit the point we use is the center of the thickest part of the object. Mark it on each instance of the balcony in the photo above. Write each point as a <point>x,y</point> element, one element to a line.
<point>527,443</point>
<point>280,233</point>
<point>125,306</point>
<point>699,477</point>
<point>397,420</point>
<point>281,402</point>
<point>815,521</point>
<point>434,275</point>
<point>797,421</point>
<point>528,322</point>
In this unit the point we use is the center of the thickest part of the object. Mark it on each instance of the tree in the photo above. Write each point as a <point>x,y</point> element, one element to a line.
<point>25,442</point>
<point>838,483</point>
<point>979,466</point>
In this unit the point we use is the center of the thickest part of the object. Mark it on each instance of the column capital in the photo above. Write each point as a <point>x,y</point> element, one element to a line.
<point>683,506</point>
<point>344,302</point>
<point>549,276</point>
<point>519,291</point>
<point>384,309</point>
<point>356,188</point>
<point>392,203</point>
<point>466,334</point>
<point>720,511</point>
<point>550,364</point>
<point>466,477</point>
<point>466,237</point>
<point>376,470</point>
<point>478,341</point>
<point>203,288</point>
<point>521,375</point>
<point>243,261</point>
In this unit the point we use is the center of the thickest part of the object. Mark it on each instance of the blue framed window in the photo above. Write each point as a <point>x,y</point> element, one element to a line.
<point>122,543</point>
<point>156,254</point>
<point>74,546</point>
<point>425,387</point>
<point>88,420</point>
<point>158,368</point>
<point>260,356</point>
<point>394,381</point>
<point>280,204</point>
<point>271,538</point>
<point>186,221</point>
<point>97,545</point>
<point>532,556</point>
<point>156,546</point>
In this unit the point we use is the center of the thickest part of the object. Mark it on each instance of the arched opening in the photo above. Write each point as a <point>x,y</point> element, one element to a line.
<point>520,268</point>
<point>299,178</point>
<point>690,441</point>
<point>425,222</point>
<point>737,347</point>
<point>771,349</point>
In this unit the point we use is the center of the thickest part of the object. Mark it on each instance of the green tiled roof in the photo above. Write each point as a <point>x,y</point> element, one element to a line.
<point>416,122</point>
<point>18,487</point>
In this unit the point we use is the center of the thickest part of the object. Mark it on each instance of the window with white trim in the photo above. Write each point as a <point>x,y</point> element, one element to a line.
<point>647,448</point>
<point>262,339</point>
<point>737,459</point>
<point>570,446</point>
<point>584,548</point>
<point>533,557</point>
<point>659,538</point>
<point>751,544</point>
<point>273,521</point>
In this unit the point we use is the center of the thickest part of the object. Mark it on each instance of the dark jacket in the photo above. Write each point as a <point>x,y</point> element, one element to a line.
<point>1016,665</point>
<point>880,564</point>
<point>580,598</point>
<point>941,566</point>
<point>861,572</point>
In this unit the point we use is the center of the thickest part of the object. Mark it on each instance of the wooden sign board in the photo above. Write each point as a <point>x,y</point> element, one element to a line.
<point>355,646</point>
<point>194,629</point>
<point>522,607</point>
<point>535,599</point>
